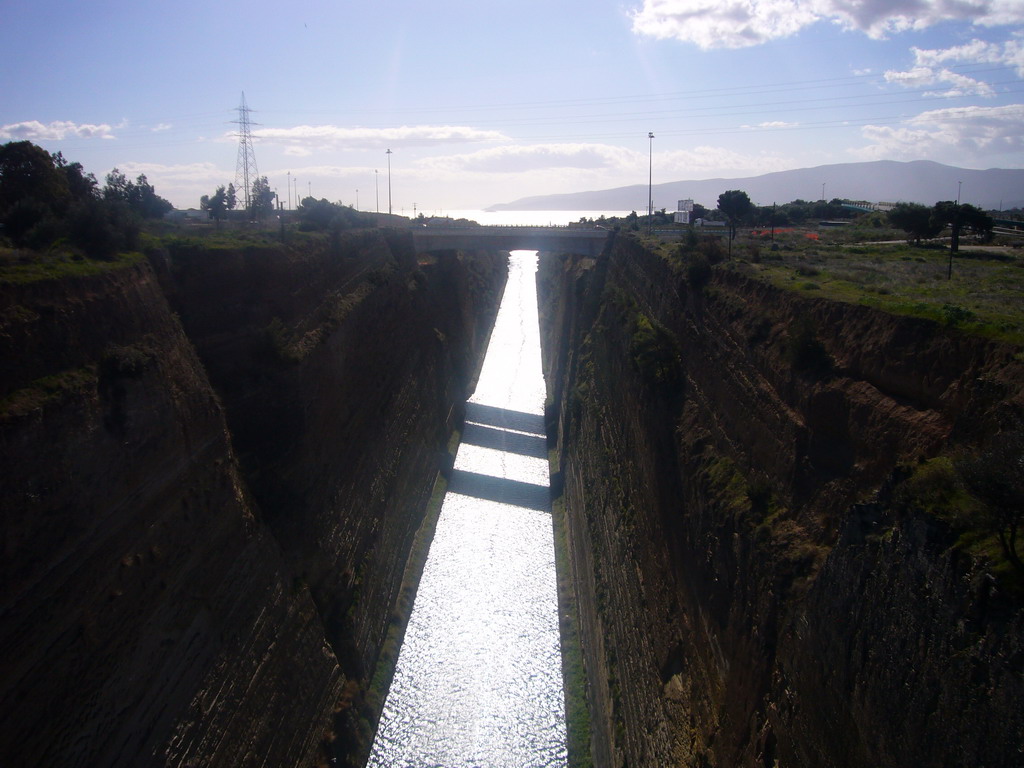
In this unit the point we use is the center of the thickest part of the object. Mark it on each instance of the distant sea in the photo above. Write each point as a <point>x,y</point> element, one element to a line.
<point>528,218</point>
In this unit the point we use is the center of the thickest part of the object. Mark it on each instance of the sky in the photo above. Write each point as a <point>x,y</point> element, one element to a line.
<point>488,101</point>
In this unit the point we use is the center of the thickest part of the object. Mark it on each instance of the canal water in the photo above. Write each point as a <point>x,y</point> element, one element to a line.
<point>478,682</point>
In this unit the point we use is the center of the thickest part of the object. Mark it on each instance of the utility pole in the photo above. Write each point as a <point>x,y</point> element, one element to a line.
<point>958,192</point>
<point>357,199</point>
<point>289,190</point>
<point>650,179</point>
<point>376,188</point>
<point>245,169</point>
<point>388,153</point>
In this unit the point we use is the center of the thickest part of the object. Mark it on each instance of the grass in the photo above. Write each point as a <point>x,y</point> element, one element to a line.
<point>49,390</point>
<point>936,488</point>
<point>19,267</point>
<point>984,297</point>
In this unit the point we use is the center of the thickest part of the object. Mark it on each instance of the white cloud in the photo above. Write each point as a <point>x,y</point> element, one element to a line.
<point>33,130</point>
<point>186,172</point>
<point>160,127</point>
<point>302,139</point>
<point>742,23</point>
<point>921,76</point>
<point>529,158</point>
<point>722,23</point>
<point>705,161</point>
<point>929,66</point>
<point>770,124</point>
<point>1009,53</point>
<point>606,164</point>
<point>954,134</point>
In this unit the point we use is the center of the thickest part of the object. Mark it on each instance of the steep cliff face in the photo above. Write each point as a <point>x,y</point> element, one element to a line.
<point>748,592</point>
<point>147,617</point>
<point>342,371</point>
<point>165,602</point>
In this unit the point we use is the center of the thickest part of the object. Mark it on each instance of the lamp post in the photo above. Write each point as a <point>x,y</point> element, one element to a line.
<point>388,153</point>
<point>958,184</point>
<point>289,190</point>
<point>376,188</point>
<point>650,179</point>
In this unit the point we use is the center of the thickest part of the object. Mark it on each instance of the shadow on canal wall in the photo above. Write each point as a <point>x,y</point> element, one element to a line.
<point>754,588</point>
<point>216,462</point>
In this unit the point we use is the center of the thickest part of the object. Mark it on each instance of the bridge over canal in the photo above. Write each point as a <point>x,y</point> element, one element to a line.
<point>584,241</point>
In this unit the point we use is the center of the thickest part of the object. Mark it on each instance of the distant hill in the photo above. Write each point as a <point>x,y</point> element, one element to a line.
<point>919,181</point>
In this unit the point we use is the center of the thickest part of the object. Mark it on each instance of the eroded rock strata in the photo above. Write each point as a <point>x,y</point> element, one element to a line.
<point>214,462</point>
<point>750,592</point>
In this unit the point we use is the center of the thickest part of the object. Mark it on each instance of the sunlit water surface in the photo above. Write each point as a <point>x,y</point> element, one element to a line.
<point>478,681</point>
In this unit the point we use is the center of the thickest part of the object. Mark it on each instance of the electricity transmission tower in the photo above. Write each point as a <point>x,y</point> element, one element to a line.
<point>245,170</point>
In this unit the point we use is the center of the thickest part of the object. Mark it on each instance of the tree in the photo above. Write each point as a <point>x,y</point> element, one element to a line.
<point>146,201</point>
<point>734,205</point>
<point>116,187</point>
<point>958,216</point>
<point>138,195</point>
<point>215,206</point>
<point>28,171</point>
<point>81,185</point>
<point>34,194</point>
<point>232,197</point>
<point>916,220</point>
<point>996,479</point>
<point>261,203</point>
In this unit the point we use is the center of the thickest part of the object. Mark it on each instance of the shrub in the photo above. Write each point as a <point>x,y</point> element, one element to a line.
<point>698,271</point>
<point>805,351</point>
<point>655,353</point>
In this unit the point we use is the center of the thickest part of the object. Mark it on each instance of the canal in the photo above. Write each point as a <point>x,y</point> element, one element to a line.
<point>478,681</point>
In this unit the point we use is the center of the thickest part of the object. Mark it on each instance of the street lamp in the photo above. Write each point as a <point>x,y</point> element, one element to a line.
<point>650,178</point>
<point>388,153</point>
<point>376,188</point>
<point>958,192</point>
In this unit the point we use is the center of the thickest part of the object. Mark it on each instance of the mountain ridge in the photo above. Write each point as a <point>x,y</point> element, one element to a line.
<point>915,181</point>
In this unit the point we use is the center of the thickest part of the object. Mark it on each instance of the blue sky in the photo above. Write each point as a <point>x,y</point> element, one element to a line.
<point>486,102</point>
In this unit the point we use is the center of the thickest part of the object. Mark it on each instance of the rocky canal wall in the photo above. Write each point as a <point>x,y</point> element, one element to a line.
<point>751,589</point>
<point>215,460</point>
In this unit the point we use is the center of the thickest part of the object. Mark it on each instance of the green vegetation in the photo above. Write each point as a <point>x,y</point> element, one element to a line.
<point>735,205</point>
<point>981,496</point>
<point>656,353</point>
<point>804,350</point>
<point>876,267</point>
<point>49,390</point>
<point>983,298</point>
<point>323,216</point>
<point>834,251</point>
<point>18,266</point>
<point>50,205</point>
